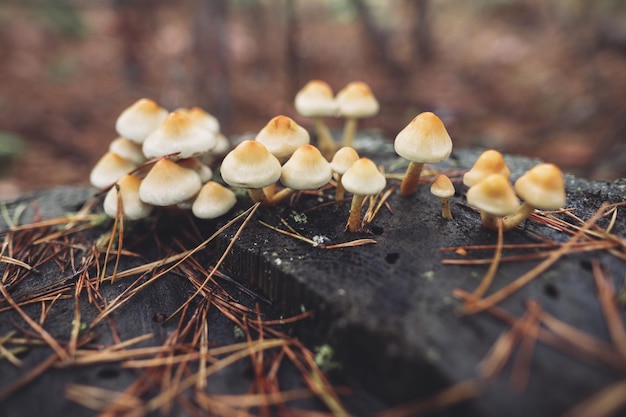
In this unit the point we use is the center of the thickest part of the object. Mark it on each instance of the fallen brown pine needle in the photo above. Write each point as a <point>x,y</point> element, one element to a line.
<point>604,403</point>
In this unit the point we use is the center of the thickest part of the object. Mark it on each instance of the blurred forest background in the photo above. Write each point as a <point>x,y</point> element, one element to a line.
<point>531,77</point>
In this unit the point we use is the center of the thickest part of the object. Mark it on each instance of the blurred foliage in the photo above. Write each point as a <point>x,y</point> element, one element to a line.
<point>59,15</point>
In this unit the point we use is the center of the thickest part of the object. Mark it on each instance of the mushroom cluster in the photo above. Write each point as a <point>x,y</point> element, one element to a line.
<point>180,144</point>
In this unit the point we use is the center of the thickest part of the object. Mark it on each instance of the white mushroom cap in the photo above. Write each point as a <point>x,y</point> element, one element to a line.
<point>494,195</point>
<point>213,200</point>
<point>128,149</point>
<point>250,165</point>
<point>204,171</point>
<point>542,187</point>
<point>178,134</point>
<point>307,169</point>
<point>140,119</point>
<point>489,162</point>
<point>134,208</point>
<point>316,99</point>
<point>282,136</point>
<point>167,184</point>
<point>424,140</point>
<point>363,178</point>
<point>343,159</point>
<point>110,168</point>
<point>357,100</point>
<point>442,187</point>
<point>204,119</point>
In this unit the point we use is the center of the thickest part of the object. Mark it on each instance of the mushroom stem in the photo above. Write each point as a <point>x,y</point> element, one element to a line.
<point>355,212</point>
<point>349,131</point>
<point>340,191</point>
<point>256,194</point>
<point>511,221</point>
<point>445,209</point>
<point>325,141</point>
<point>279,196</point>
<point>269,191</point>
<point>411,178</point>
<point>489,220</point>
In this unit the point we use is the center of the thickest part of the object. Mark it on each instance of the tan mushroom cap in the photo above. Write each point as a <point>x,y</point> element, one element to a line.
<point>213,200</point>
<point>110,168</point>
<point>489,162</point>
<point>343,159</point>
<point>307,169</point>
<point>134,208</point>
<point>282,136</point>
<point>128,149</point>
<point>178,134</point>
<point>167,184</point>
<point>363,178</point>
<point>542,187</point>
<point>203,118</point>
<point>250,165</point>
<point>494,195</point>
<point>424,140</point>
<point>140,119</point>
<point>316,99</point>
<point>204,171</point>
<point>356,100</point>
<point>442,187</point>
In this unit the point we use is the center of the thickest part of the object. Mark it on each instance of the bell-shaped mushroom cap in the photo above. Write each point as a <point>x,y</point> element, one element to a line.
<point>204,171</point>
<point>212,201</point>
<point>202,118</point>
<point>134,208</point>
<point>442,187</point>
<point>315,99</point>
<point>127,149</point>
<point>494,195</point>
<point>357,100</point>
<point>489,162</point>
<point>110,168</point>
<point>282,136</point>
<point>343,159</point>
<point>140,119</point>
<point>307,169</point>
<point>424,140</point>
<point>542,187</point>
<point>222,144</point>
<point>178,134</point>
<point>363,178</point>
<point>167,184</point>
<point>250,165</point>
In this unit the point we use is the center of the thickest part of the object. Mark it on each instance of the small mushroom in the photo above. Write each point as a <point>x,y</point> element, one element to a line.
<point>168,183</point>
<point>128,149</point>
<point>362,179</point>
<point>179,135</point>
<point>110,168</point>
<point>443,188</point>
<point>424,140</point>
<point>140,119</point>
<point>341,162</point>
<point>250,165</point>
<point>202,118</point>
<point>494,197</point>
<point>541,187</point>
<point>204,171</point>
<point>315,100</point>
<point>128,189</point>
<point>282,136</point>
<point>355,101</point>
<point>489,162</point>
<point>213,200</point>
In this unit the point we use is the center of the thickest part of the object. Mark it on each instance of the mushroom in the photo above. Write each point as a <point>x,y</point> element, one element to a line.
<point>341,162</point>
<point>442,187</point>
<point>541,187</point>
<point>250,165</point>
<point>489,162</point>
<point>110,168</point>
<point>213,200</point>
<point>128,149</point>
<point>307,169</point>
<point>282,136</point>
<point>355,101</point>
<point>202,118</point>
<point>423,140</point>
<point>362,179</point>
<point>140,119</point>
<point>494,197</point>
<point>128,189</point>
<point>168,183</point>
<point>179,135</point>
<point>315,100</point>
<point>203,170</point>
